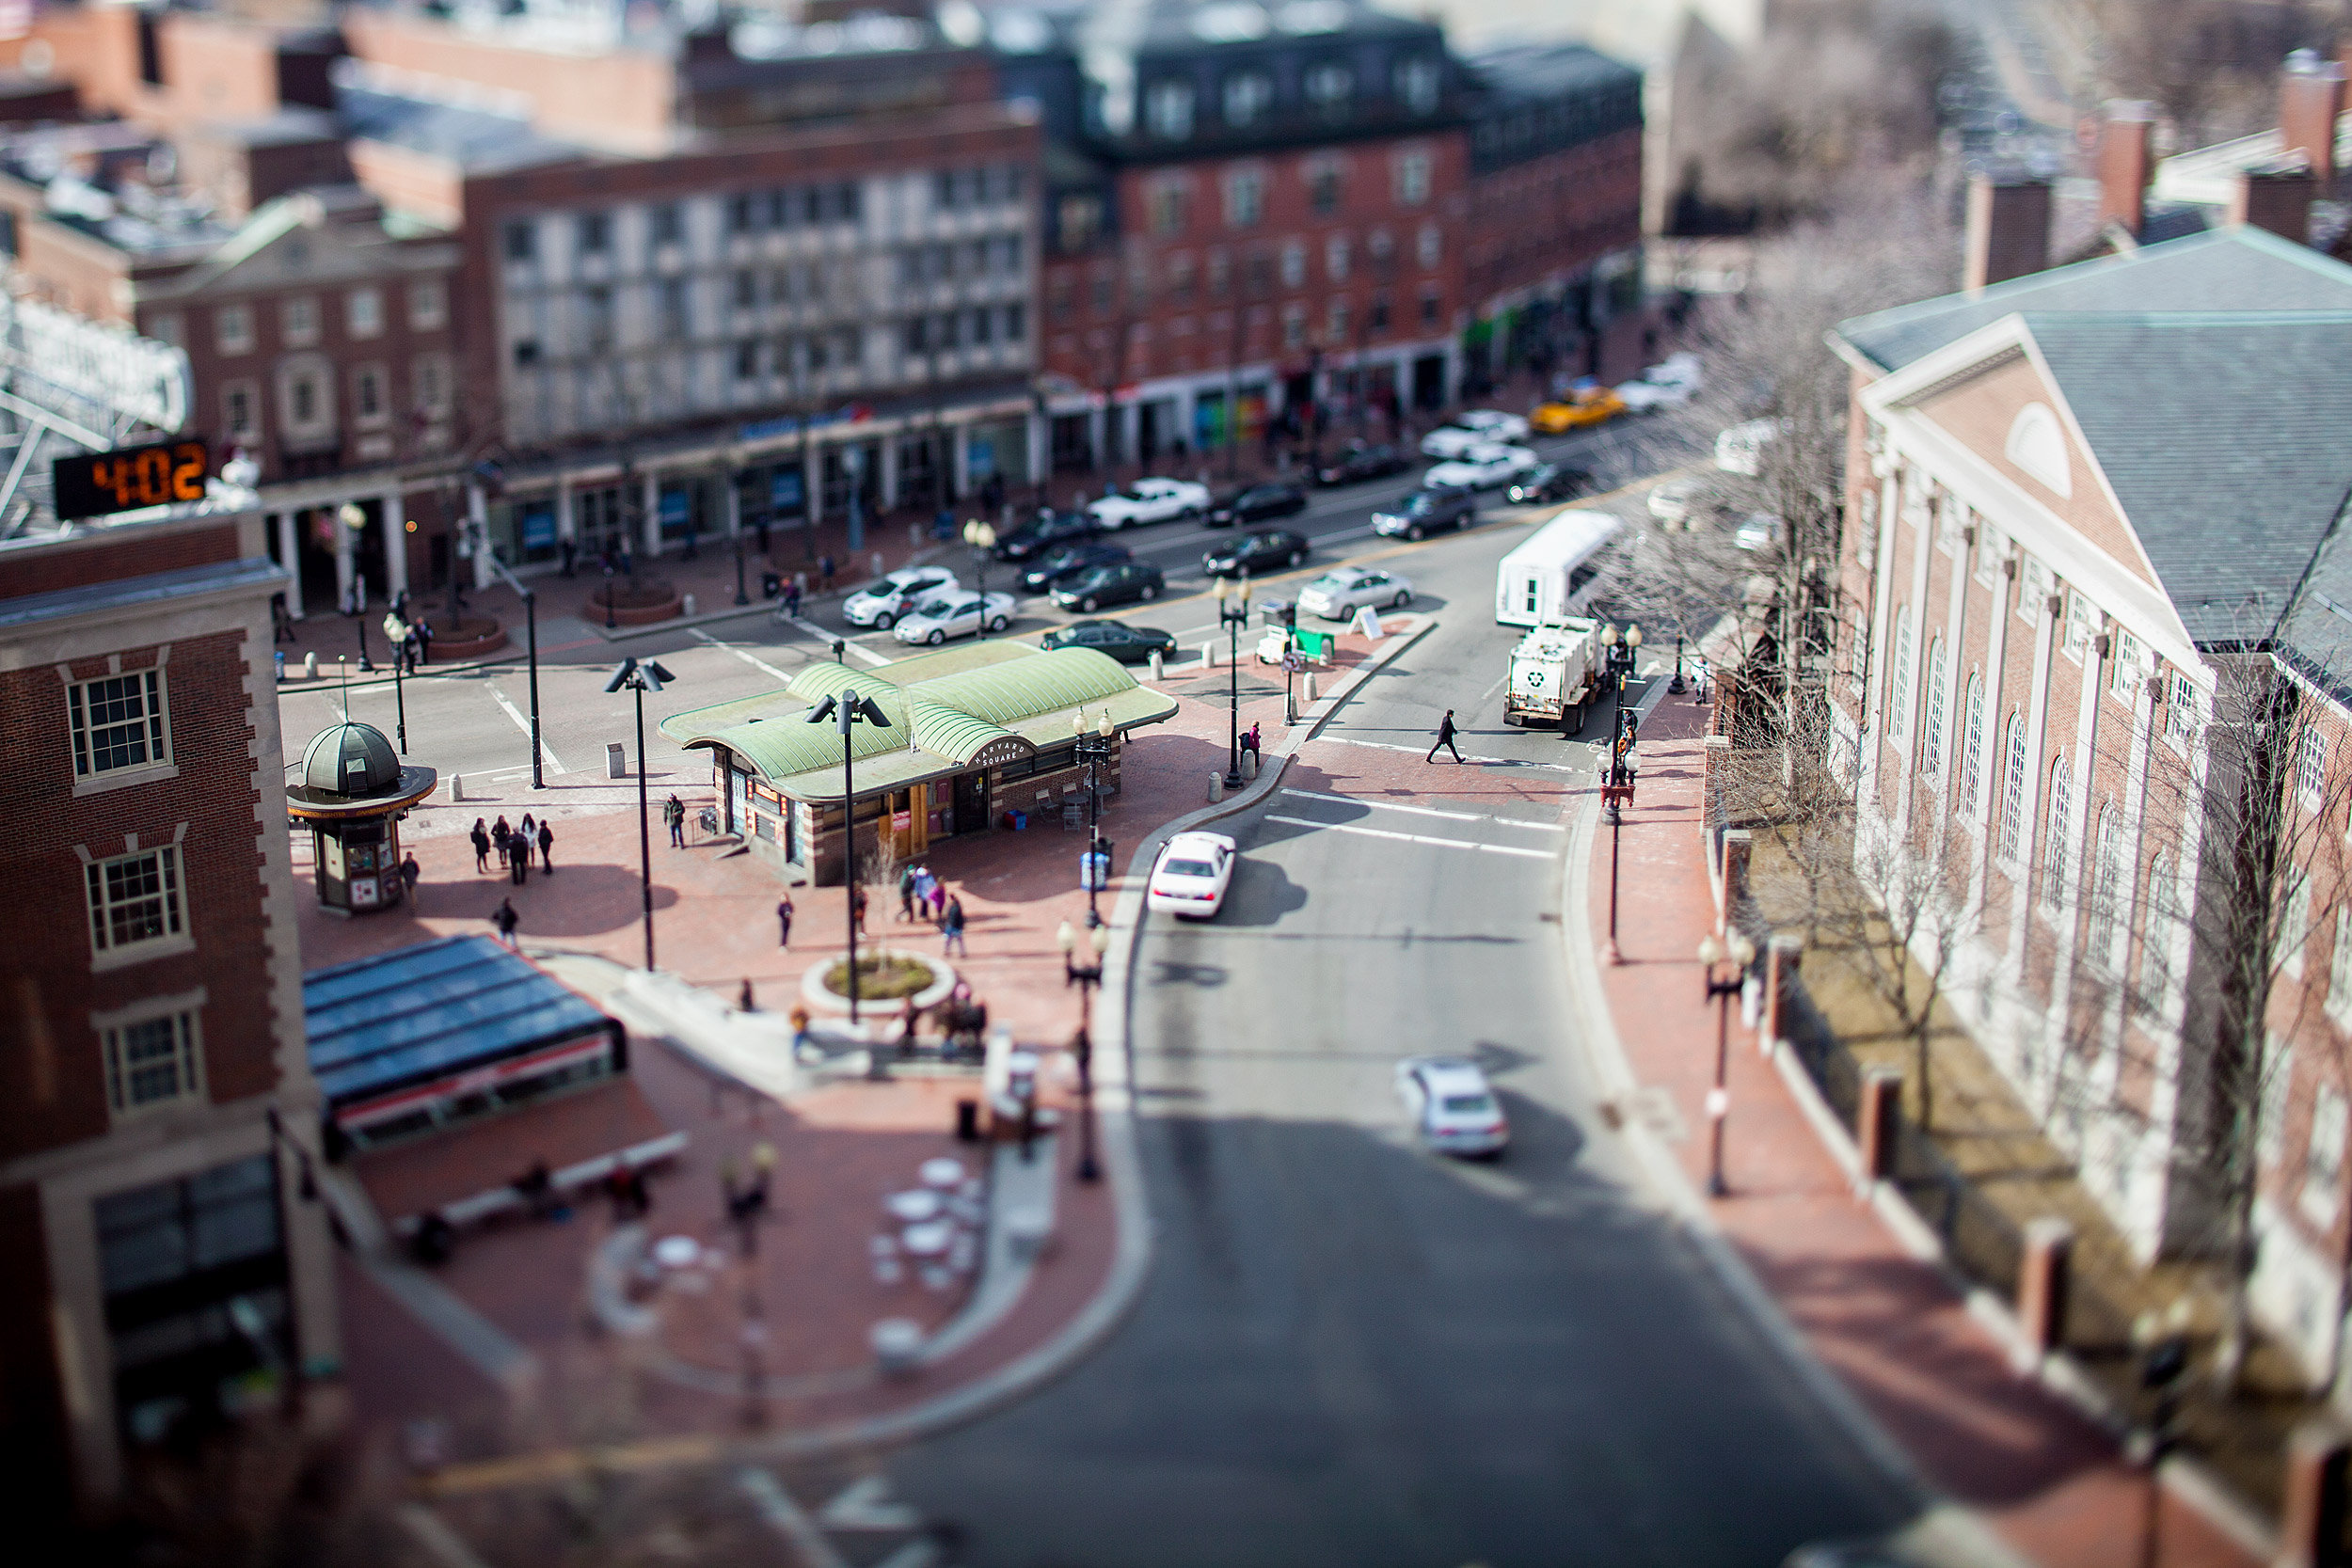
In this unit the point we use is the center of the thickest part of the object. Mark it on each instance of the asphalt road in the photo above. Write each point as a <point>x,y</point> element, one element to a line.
<point>1349,1352</point>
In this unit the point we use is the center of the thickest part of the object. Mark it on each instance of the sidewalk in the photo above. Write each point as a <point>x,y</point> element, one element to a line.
<point>1888,1324</point>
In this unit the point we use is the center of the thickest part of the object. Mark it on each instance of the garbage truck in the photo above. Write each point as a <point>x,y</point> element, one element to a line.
<point>1555,671</point>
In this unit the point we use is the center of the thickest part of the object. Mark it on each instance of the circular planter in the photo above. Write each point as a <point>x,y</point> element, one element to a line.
<point>470,637</point>
<point>641,606</point>
<point>819,999</point>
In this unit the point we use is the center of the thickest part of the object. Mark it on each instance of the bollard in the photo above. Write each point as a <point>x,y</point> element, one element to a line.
<point>1310,679</point>
<point>1208,656</point>
<point>1217,787</point>
<point>2041,1287</point>
<point>898,1344</point>
<point>914,536</point>
<point>616,760</point>
<point>686,605</point>
<point>1157,672</point>
<point>1783,954</point>
<point>457,787</point>
<point>1249,765</point>
<point>2312,1518</point>
<point>878,563</point>
<point>1882,1107</point>
<point>311,665</point>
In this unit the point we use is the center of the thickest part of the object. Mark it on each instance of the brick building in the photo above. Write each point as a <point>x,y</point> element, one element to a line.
<point>168,1260</point>
<point>2089,510</point>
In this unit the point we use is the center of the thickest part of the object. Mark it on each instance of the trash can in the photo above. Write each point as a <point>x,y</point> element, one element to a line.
<point>1017,820</point>
<point>616,760</point>
<point>771,585</point>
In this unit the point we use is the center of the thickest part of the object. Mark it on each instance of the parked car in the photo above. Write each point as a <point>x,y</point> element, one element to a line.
<point>1358,461</point>
<point>1338,595</point>
<point>1422,513</point>
<point>1482,468</point>
<point>1472,427</point>
<point>1453,1107</point>
<point>1758,531</point>
<point>1192,875</point>
<point>1257,503</point>
<point>1064,561</point>
<point>1673,502</point>
<point>1643,397</point>
<point>1113,584</point>
<point>1740,449</point>
<point>955,615</point>
<point>1043,533</point>
<point>1128,644</point>
<point>1548,482</point>
<point>1585,405</point>
<point>1152,501</point>
<point>882,603</point>
<point>1264,551</point>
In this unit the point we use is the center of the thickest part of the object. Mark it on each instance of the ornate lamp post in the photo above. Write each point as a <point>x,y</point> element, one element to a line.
<point>982,538</point>
<point>1095,749</point>
<point>1737,952</point>
<point>352,517</point>
<point>1233,614</point>
<point>639,679</point>
<point>846,712</point>
<point>396,634</point>
<point>1086,978</point>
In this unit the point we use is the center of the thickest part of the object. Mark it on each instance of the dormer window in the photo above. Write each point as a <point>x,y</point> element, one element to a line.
<point>1419,80</point>
<point>1329,85</point>
<point>1168,110</point>
<point>1248,95</point>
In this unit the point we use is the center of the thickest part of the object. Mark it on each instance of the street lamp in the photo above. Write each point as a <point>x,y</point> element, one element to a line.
<point>982,538</point>
<point>396,633</point>
<point>1677,686</point>
<point>642,678</point>
<point>1095,871</point>
<point>352,517</point>
<point>1617,655</point>
<point>1233,614</point>
<point>1086,978</point>
<point>846,711</point>
<point>1740,953</point>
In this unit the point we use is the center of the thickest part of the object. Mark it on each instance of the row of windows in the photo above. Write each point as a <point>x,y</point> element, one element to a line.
<point>298,318</point>
<point>307,404</point>
<point>754,212</point>
<point>1261,271</point>
<point>994,256</point>
<point>1245,97</point>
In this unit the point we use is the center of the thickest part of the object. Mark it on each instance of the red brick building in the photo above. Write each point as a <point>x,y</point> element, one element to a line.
<point>168,1260</point>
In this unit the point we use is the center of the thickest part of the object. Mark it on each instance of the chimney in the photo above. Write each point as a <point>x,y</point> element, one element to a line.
<point>2123,166</point>
<point>2009,228</point>
<point>2277,198</point>
<point>2311,101</point>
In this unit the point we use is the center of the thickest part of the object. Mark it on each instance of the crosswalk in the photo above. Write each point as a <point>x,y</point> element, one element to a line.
<point>1402,836</point>
<point>853,1531</point>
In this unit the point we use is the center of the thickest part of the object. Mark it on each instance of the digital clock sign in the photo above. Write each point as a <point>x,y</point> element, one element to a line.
<point>129,477</point>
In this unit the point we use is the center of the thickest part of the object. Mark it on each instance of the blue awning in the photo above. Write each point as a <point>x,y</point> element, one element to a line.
<point>416,1014</point>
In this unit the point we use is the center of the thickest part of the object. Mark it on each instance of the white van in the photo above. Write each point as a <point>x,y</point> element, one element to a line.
<point>1536,582</point>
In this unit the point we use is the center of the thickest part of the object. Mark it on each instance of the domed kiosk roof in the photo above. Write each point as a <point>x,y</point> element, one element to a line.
<point>350,760</point>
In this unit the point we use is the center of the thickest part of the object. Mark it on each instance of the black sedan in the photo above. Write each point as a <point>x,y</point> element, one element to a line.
<point>1114,584</point>
<point>1128,644</point>
<point>1043,533</point>
<point>1257,503</point>
<point>1064,561</point>
<point>1357,461</point>
<point>1549,481</point>
<point>1256,552</point>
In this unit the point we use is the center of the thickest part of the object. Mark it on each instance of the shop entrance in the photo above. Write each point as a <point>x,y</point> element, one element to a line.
<point>971,808</point>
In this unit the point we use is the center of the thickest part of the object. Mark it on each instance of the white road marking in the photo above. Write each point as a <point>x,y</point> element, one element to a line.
<point>1497,687</point>
<point>1412,838</point>
<point>746,656</point>
<point>866,1504</point>
<point>922,1552</point>
<point>522,722</point>
<point>1430,811</point>
<point>868,655</point>
<point>785,1517</point>
<point>1500,762</point>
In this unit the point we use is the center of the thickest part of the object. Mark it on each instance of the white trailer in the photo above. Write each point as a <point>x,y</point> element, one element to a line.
<point>1537,582</point>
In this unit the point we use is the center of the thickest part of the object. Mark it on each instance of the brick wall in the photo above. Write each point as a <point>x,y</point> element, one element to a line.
<point>150,551</point>
<point>1554,214</point>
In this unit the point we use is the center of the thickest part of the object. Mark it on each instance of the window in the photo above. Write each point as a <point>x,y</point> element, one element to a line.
<point>1899,678</point>
<point>165,327</point>
<point>1335,258</point>
<point>1429,309</point>
<point>1220,274</point>
<point>1329,85</point>
<point>117,722</point>
<point>1248,93</point>
<point>133,898</point>
<point>1376,319</point>
<point>366,394</point>
<point>2054,877</point>
<point>1167,109</point>
<point>526,352</point>
<point>1326,189</point>
<point>2310,764</point>
<point>1412,177</point>
<point>430,374</point>
<point>522,241</point>
<point>363,313</point>
<point>2155,939</point>
<point>232,328</point>
<point>596,234</point>
<point>1294,327</point>
<point>2340,970</point>
<point>302,399</point>
<point>1172,208</point>
<point>664,224</point>
<point>2013,793</point>
<point>1179,278</point>
<point>1079,218</point>
<point>2180,719</point>
<point>152,1062</point>
<point>595,313</point>
<point>2082,622</point>
<point>746,361</point>
<point>1431,245</point>
<point>2125,667</point>
<point>1931,734</point>
<point>2294,923</point>
<point>298,320</point>
<point>428,305</point>
<point>1972,745</point>
<point>1016,323</point>
<point>746,290</point>
<point>1245,198</point>
<point>742,214</point>
<point>1335,320</point>
<point>2106,876</point>
<point>1293,266</point>
<point>238,411</point>
<point>2323,1157</point>
<point>2277,1091</point>
<point>1419,81</point>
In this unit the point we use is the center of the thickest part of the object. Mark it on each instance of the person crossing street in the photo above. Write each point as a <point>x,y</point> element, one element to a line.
<point>1445,739</point>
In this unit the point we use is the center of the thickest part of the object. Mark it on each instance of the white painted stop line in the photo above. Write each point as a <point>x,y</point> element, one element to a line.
<point>1412,838</point>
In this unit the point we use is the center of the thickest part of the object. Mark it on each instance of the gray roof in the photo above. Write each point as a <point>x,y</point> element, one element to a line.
<point>477,140</point>
<point>2234,270</point>
<point>1550,70</point>
<point>2222,434</point>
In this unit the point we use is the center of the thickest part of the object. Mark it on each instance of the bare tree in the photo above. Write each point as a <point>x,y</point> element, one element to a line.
<point>2211,65</point>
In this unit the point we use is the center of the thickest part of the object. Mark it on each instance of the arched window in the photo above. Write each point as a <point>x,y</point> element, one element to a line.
<point>1972,745</point>
<point>1932,736</point>
<point>2036,443</point>
<point>2107,877</point>
<point>2053,868</point>
<point>2013,793</point>
<point>1897,694</point>
<point>2155,937</point>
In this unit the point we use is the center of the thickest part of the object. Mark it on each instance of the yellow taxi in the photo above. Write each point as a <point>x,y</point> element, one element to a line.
<point>1586,405</point>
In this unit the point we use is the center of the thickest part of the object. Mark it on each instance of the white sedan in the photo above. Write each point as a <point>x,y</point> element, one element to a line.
<point>1191,876</point>
<point>1337,596</point>
<point>881,602</point>
<point>955,615</point>
<point>1454,1109</point>
<point>1472,427</point>
<point>1150,500</point>
<point>1484,468</point>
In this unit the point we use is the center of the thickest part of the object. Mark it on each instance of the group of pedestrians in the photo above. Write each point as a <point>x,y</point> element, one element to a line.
<point>923,896</point>
<point>512,846</point>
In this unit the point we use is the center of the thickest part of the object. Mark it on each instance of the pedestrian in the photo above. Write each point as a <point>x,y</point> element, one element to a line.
<point>528,830</point>
<point>824,573</point>
<point>857,909</point>
<point>745,1004</point>
<point>674,813</point>
<point>792,594</point>
<point>506,920</point>
<point>1250,741</point>
<point>951,930</point>
<point>919,885</point>
<point>481,845</point>
<point>906,892</point>
<point>763,1171</point>
<point>519,859</point>
<point>409,872</point>
<point>937,897</point>
<point>424,643</point>
<point>640,1200</point>
<point>784,921</point>
<point>282,619</point>
<point>571,553</point>
<point>1445,739</point>
<point>499,834</point>
<point>909,1015</point>
<point>546,847</point>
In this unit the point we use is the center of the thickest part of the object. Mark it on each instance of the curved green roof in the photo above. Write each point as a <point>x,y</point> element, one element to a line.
<point>944,732</point>
<point>816,682</point>
<point>1023,689</point>
<point>780,748</point>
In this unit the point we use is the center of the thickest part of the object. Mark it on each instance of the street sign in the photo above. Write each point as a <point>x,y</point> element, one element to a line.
<point>1292,662</point>
<point>92,484</point>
